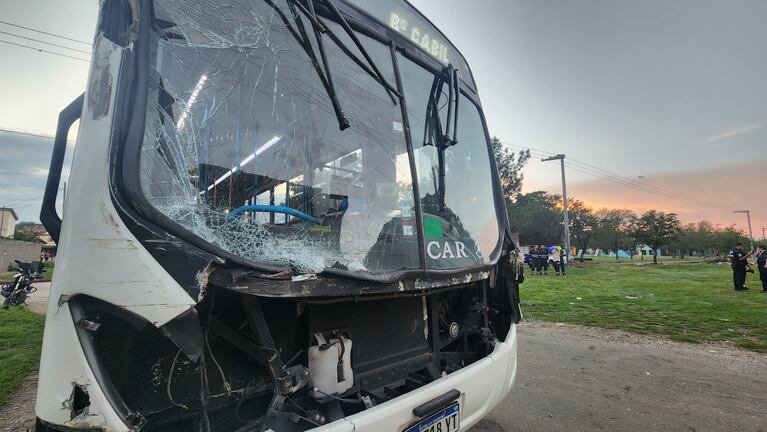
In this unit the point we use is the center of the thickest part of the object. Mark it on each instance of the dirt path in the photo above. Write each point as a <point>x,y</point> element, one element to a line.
<point>38,301</point>
<point>578,379</point>
<point>585,379</point>
<point>18,415</point>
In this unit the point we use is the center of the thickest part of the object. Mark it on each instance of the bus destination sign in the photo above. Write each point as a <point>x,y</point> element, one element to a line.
<point>421,37</point>
<point>402,18</point>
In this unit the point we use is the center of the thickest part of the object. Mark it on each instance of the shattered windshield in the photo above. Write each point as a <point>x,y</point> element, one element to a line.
<point>243,146</point>
<point>275,134</point>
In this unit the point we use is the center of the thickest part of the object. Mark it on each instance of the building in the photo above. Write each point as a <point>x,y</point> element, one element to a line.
<point>8,218</point>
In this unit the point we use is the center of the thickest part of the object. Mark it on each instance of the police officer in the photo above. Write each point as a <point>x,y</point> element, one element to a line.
<point>536,258</point>
<point>540,259</point>
<point>739,265</point>
<point>529,258</point>
<point>761,263</point>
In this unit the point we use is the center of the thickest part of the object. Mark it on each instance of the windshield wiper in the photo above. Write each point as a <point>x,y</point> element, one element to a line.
<point>303,41</point>
<point>343,122</point>
<point>325,74</point>
<point>375,73</point>
<point>432,130</point>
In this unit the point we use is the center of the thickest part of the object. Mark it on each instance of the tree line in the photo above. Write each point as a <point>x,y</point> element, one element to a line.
<point>537,217</point>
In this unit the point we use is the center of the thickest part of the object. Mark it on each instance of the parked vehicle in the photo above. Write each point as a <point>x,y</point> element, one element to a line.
<point>283,215</point>
<point>20,287</point>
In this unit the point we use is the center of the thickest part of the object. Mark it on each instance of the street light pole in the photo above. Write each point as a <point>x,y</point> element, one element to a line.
<point>750,234</point>
<point>561,159</point>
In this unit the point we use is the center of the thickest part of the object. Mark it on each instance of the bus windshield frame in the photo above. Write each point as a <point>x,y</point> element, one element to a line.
<point>459,250</point>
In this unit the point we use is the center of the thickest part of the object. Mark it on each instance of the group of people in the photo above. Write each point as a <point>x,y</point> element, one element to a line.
<point>741,266</point>
<point>541,257</point>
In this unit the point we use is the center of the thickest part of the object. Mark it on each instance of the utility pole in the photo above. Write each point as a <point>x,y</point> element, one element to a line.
<point>561,159</point>
<point>763,237</point>
<point>750,234</point>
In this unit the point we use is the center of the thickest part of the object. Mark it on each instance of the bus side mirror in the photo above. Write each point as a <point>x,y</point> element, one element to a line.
<point>48,215</point>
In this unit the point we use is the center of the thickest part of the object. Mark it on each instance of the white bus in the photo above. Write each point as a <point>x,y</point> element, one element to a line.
<point>282,215</point>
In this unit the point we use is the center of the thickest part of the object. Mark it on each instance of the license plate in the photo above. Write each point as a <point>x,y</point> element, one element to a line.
<point>447,420</point>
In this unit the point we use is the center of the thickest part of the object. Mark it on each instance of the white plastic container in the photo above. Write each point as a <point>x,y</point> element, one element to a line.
<point>330,366</point>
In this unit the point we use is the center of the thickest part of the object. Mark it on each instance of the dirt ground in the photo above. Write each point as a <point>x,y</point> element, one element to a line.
<point>38,301</point>
<point>577,379</point>
<point>18,414</point>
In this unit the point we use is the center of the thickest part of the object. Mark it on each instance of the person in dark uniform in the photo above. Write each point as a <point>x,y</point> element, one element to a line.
<point>529,259</point>
<point>739,265</point>
<point>536,254</point>
<point>540,259</point>
<point>761,263</point>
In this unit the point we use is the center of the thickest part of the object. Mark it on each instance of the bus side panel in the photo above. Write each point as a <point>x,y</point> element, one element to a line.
<point>97,256</point>
<point>65,377</point>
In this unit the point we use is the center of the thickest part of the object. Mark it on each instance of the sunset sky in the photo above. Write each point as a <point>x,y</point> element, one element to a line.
<point>665,94</point>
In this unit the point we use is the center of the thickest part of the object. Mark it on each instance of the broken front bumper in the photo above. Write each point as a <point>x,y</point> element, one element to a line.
<point>482,385</point>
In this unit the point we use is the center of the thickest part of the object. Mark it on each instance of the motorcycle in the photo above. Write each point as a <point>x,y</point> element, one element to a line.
<point>17,291</point>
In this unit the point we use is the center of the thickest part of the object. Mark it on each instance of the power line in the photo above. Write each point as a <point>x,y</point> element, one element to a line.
<point>616,178</point>
<point>44,42</point>
<point>26,133</point>
<point>27,205</point>
<point>45,33</point>
<point>645,188</point>
<point>649,189</point>
<point>655,188</point>
<point>45,51</point>
<point>19,173</point>
<point>21,201</point>
<point>624,181</point>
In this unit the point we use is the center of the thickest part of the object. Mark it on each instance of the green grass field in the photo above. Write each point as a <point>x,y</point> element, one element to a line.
<point>21,335</point>
<point>687,302</point>
<point>647,259</point>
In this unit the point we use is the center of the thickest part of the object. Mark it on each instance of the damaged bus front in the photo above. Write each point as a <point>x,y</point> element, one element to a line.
<point>282,215</point>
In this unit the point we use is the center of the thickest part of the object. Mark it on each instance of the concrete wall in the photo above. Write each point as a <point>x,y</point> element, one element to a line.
<point>20,250</point>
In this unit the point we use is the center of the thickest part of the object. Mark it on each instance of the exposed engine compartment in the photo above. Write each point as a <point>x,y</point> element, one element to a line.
<point>290,364</point>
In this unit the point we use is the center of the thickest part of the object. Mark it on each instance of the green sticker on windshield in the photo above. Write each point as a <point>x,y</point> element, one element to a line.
<point>432,227</point>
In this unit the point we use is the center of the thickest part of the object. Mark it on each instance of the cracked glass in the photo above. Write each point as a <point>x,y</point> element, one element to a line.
<point>242,146</point>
